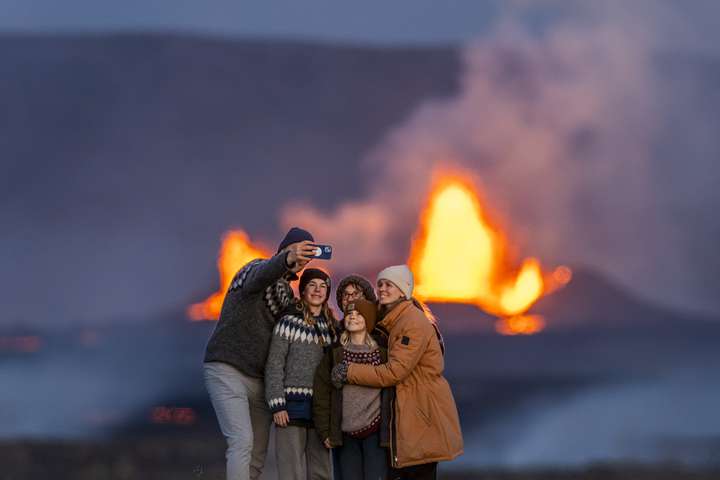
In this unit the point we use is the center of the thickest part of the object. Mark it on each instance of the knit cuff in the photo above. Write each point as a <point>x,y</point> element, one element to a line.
<point>338,376</point>
<point>277,404</point>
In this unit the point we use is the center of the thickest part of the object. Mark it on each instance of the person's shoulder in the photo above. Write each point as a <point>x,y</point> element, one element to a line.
<point>241,275</point>
<point>415,318</point>
<point>288,323</point>
<point>413,313</point>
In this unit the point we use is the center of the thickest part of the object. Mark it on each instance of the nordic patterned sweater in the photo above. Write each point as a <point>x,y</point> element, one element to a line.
<point>360,404</point>
<point>257,296</point>
<point>296,349</point>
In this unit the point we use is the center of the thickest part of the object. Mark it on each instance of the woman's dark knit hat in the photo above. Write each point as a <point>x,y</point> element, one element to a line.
<point>295,235</point>
<point>359,280</point>
<point>312,274</point>
<point>367,309</point>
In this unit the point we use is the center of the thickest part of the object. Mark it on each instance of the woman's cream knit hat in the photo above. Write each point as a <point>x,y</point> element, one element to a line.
<point>401,276</point>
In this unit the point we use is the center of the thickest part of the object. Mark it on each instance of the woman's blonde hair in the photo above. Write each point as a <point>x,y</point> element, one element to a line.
<point>418,304</point>
<point>425,309</point>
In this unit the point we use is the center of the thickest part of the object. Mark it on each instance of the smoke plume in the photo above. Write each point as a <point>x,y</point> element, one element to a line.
<point>558,122</point>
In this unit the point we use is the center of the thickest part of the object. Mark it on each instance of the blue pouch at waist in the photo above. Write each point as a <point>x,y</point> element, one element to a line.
<point>299,409</point>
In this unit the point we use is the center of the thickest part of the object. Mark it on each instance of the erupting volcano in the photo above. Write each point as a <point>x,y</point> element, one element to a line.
<point>457,256</point>
<point>236,251</point>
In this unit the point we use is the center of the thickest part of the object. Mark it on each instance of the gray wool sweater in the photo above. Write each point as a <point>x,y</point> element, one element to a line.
<point>257,295</point>
<point>295,352</point>
<point>361,404</point>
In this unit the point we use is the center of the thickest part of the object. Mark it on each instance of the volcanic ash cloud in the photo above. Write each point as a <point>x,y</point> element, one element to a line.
<point>556,130</point>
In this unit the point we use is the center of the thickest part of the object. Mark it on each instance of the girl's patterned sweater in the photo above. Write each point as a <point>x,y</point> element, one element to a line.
<point>296,349</point>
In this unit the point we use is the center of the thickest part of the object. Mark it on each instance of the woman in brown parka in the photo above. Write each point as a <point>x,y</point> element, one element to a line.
<point>425,427</point>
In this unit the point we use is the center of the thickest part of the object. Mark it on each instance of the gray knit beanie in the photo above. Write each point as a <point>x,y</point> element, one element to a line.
<point>360,281</point>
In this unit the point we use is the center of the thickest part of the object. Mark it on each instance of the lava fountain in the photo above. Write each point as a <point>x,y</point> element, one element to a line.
<point>457,256</point>
<point>236,251</point>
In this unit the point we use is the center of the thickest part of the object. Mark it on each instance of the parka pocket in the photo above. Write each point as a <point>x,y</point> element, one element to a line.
<point>424,416</point>
<point>412,443</point>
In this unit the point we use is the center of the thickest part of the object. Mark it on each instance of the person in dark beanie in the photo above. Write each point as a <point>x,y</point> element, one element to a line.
<point>299,341</point>
<point>234,363</point>
<point>354,420</point>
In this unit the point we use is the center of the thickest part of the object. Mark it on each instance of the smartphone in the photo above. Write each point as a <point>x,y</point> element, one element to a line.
<point>322,252</point>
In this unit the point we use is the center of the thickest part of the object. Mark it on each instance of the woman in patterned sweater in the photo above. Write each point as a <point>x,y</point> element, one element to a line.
<point>354,419</point>
<point>298,343</point>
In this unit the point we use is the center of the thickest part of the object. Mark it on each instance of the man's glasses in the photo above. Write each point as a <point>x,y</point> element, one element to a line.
<point>351,295</point>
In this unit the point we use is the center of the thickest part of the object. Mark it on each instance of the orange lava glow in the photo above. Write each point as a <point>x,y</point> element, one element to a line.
<point>22,344</point>
<point>520,325</point>
<point>173,415</point>
<point>236,251</point>
<point>458,256</point>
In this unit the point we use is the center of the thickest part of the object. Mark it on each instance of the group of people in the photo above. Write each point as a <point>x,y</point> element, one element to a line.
<point>362,398</point>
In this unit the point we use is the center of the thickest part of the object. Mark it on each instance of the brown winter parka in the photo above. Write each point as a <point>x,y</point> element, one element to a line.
<point>426,423</point>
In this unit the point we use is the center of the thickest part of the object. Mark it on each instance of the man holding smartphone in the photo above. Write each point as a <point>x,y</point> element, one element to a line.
<point>234,364</point>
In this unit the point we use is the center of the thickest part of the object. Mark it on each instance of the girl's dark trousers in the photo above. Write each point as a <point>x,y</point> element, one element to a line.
<point>337,474</point>
<point>362,459</point>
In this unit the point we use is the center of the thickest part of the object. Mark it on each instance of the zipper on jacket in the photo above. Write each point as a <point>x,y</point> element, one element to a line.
<point>393,450</point>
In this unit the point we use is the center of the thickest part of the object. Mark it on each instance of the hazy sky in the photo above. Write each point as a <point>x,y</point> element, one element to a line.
<point>405,21</point>
<point>612,90</point>
<point>369,21</point>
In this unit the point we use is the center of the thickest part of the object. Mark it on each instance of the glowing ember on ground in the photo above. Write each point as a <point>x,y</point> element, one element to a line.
<point>562,274</point>
<point>458,256</point>
<point>24,344</point>
<point>520,325</point>
<point>236,251</point>
<point>173,415</point>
